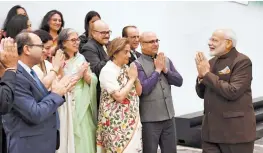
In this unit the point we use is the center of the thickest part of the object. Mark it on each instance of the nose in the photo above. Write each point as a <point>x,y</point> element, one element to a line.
<point>210,43</point>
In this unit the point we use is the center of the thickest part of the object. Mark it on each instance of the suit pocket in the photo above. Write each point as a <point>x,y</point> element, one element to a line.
<point>233,114</point>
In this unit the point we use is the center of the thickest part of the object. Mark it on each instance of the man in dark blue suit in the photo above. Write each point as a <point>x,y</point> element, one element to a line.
<point>31,125</point>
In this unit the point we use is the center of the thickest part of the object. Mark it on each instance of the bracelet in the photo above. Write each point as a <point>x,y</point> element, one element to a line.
<point>54,71</point>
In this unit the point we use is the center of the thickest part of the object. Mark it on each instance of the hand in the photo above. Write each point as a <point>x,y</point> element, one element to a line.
<point>62,86</point>
<point>8,53</point>
<point>87,76</point>
<point>133,73</point>
<point>1,33</point>
<point>162,57</point>
<point>58,60</point>
<point>82,69</point>
<point>159,63</point>
<point>202,64</point>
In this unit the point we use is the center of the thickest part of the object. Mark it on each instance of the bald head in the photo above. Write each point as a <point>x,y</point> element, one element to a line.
<point>149,43</point>
<point>101,32</point>
<point>146,35</point>
<point>30,48</point>
<point>100,25</point>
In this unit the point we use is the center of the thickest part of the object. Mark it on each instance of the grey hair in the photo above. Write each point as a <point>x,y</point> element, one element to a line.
<point>231,35</point>
<point>62,37</point>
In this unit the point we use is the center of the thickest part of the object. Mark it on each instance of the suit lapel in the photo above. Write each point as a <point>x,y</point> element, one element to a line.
<point>25,73</point>
<point>101,49</point>
<point>104,53</point>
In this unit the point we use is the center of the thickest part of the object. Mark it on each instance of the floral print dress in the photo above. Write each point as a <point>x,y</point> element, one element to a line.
<point>119,127</point>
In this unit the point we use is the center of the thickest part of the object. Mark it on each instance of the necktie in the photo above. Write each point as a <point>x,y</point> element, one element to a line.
<point>35,77</point>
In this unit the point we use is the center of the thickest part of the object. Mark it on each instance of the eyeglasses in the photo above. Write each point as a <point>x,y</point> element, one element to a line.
<point>104,32</point>
<point>152,41</point>
<point>36,45</point>
<point>134,37</point>
<point>74,40</point>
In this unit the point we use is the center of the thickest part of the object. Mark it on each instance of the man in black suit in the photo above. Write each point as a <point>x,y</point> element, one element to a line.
<point>95,51</point>
<point>132,34</point>
<point>8,67</point>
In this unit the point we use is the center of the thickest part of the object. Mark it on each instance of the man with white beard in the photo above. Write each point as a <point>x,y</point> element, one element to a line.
<point>224,82</point>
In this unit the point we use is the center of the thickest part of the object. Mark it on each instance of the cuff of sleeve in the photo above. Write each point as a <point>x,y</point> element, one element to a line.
<point>58,98</point>
<point>207,79</point>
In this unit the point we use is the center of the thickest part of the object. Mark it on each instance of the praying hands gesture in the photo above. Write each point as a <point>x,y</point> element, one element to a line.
<point>202,64</point>
<point>83,72</point>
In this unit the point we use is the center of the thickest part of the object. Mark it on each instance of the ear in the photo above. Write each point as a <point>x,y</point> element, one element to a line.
<point>26,50</point>
<point>229,44</point>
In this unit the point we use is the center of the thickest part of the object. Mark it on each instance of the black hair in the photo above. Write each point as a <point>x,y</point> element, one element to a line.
<point>12,12</point>
<point>22,39</point>
<point>88,17</point>
<point>44,36</point>
<point>124,30</point>
<point>16,25</point>
<point>44,24</point>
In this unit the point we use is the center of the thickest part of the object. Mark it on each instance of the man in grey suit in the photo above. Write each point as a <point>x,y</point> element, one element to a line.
<point>156,74</point>
<point>30,126</point>
<point>8,67</point>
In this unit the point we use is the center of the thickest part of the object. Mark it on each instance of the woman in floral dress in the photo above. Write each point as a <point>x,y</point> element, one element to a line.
<point>119,125</point>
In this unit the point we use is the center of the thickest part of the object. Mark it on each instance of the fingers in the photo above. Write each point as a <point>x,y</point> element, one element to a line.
<point>65,80</point>
<point>203,55</point>
<point>2,44</point>
<point>15,48</point>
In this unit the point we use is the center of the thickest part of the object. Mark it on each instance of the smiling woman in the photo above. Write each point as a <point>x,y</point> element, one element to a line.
<point>53,23</point>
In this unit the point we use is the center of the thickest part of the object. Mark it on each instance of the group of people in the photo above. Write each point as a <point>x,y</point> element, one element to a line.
<point>68,93</point>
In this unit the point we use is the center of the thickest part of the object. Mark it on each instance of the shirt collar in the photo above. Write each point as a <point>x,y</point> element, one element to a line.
<point>27,68</point>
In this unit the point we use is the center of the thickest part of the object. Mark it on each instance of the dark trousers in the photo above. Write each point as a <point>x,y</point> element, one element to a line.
<point>162,133</point>
<point>227,148</point>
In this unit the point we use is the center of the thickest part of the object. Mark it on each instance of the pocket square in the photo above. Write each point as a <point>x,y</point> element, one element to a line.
<point>226,70</point>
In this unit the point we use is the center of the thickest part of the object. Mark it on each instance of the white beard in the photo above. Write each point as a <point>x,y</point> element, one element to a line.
<point>218,51</point>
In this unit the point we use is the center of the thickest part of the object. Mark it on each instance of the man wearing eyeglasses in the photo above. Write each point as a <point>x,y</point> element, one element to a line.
<point>132,33</point>
<point>31,125</point>
<point>94,50</point>
<point>156,74</point>
<point>224,82</point>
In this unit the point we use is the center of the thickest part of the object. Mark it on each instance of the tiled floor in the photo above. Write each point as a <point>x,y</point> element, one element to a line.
<point>181,149</point>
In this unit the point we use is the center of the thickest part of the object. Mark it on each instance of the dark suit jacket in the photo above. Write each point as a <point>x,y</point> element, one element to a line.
<point>97,57</point>
<point>7,89</point>
<point>31,124</point>
<point>132,58</point>
<point>228,110</point>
